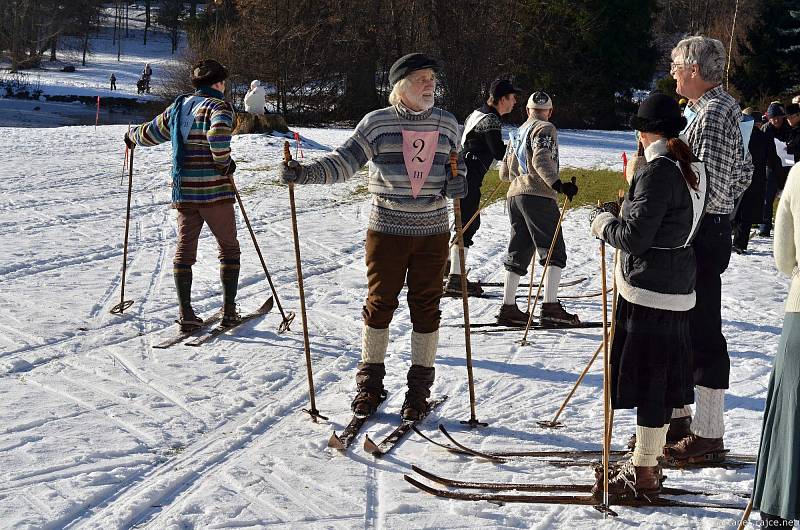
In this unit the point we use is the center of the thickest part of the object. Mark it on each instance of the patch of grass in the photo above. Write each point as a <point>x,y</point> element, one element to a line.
<point>593,185</point>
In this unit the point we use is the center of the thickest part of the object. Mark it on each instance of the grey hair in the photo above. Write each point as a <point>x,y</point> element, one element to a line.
<point>539,114</point>
<point>707,53</point>
<point>397,91</point>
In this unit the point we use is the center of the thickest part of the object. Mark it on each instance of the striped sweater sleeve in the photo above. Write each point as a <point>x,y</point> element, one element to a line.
<point>219,137</point>
<point>154,132</point>
<point>344,161</point>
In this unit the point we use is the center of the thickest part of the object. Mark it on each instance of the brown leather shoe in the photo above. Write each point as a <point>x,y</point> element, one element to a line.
<point>511,315</point>
<point>453,287</point>
<point>554,314</point>
<point>695,449</point>
<point>629,481</point>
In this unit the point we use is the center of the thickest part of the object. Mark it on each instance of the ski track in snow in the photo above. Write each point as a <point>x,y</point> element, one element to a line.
<point>100,430</point>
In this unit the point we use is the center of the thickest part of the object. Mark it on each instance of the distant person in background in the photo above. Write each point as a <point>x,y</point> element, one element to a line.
<point>482,142</point>
<point>113,80</point>
<point>255,98</point>
<point>141,85</point>
<point>777,480</point>
<point>147,73</point>
<point>793,140</point>
<point>750,205</point>
<point>776,128</point>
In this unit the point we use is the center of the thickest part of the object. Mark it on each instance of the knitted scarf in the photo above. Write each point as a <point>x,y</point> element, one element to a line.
<point>177,139</point>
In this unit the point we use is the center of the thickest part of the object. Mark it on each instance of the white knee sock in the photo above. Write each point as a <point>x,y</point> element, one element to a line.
<point>709,406</point>
<point>455,260</point>
<point>423,348</point>
<point>510,288</point>
<point>373,344</point>
<point>649,445</point>
<point>551,280</point>
<point>682,412</point>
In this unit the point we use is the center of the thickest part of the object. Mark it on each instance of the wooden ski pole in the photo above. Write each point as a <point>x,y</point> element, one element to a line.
<point>312,410</point>
<point>530,284</point>
<point>524,340</point>
<point>287,317</point>
<point>605,507</point>
<point>473,420</point>
<point>125,304</point>
<point>554,423</point>
<point>746,514</point>
<point>484,204</point>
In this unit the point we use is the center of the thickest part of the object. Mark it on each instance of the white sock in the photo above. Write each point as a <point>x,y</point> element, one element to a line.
<point>551,280</point>
<point>374,343</point>
<point>455,260</point>
<point>510,288</point>
<point>682,412</point>
<point>649,445</point>
<point>709,406</point>
<point>423,348</point>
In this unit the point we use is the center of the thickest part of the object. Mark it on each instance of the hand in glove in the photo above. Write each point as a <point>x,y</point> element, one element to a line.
<point>602,216</point>
<point>293,171</point>
<point>231,168</point>
<point>570,189</point>
<point>456,187</point>
<point>129,142</point>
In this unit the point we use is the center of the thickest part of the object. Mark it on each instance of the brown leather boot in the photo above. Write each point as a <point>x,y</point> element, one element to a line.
<point>695,449</point>
<point>554,314</point>
<point>511,315</point>
<point>187,319</point>
<point>629,481</point>
<point>453,286</point>
<point>420,379</point>
<point>369,380</point>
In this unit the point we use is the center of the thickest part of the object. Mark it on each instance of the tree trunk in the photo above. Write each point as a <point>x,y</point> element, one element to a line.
<point>85,46</point>
<point>146,19</point>
<point>53,46</point>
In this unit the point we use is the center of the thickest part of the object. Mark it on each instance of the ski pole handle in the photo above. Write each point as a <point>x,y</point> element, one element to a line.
<point>287,151</point>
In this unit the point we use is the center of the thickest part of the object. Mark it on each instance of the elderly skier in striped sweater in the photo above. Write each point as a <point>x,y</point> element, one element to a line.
<point>199,127</point>
<point>407,148</point>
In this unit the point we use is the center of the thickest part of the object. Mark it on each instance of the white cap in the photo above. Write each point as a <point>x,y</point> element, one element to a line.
<point>254,83</point>
<point>540,100</point>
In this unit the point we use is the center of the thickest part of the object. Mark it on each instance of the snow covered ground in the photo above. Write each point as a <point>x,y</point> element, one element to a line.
<point>100,430</point>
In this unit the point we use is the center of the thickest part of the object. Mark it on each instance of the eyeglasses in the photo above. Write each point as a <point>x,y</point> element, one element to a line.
<point>674,66</point>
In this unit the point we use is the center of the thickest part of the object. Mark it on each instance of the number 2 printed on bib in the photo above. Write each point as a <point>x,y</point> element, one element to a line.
<point>419,148</point>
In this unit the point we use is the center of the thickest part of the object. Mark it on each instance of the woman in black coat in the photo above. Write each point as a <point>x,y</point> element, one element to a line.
<point>751,204</point>
<point>651,366</point>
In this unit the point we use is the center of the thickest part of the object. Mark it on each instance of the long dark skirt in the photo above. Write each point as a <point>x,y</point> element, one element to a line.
<point>776,490</point>
<point>651,359</point>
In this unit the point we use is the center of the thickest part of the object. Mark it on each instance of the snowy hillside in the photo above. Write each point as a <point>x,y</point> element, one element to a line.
<point>93,79</point>
<point>100,430</point>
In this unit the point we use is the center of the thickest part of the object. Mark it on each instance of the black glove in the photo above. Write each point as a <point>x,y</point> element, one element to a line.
<point>570,189</point>
<point>130,143</point>
<point>231,168</point>
<point>611,207</point>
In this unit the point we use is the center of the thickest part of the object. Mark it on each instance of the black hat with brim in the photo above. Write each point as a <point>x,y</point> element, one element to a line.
<point>792,108</point>
<point>502,87</point>
<point>660,114</point>
<point>208,72</point>
<point>411,63</point>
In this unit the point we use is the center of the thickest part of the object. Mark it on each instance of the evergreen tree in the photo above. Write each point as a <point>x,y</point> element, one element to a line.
<point>771,53</point>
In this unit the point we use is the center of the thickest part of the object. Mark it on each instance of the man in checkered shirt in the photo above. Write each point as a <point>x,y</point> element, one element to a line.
<point>713,133</point>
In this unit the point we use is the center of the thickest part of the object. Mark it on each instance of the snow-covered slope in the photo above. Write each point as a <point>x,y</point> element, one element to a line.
<point>100,430</point>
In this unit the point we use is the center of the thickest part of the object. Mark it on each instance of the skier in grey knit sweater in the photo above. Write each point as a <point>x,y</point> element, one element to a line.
<point>407,149</point>
<point>531,165</point>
